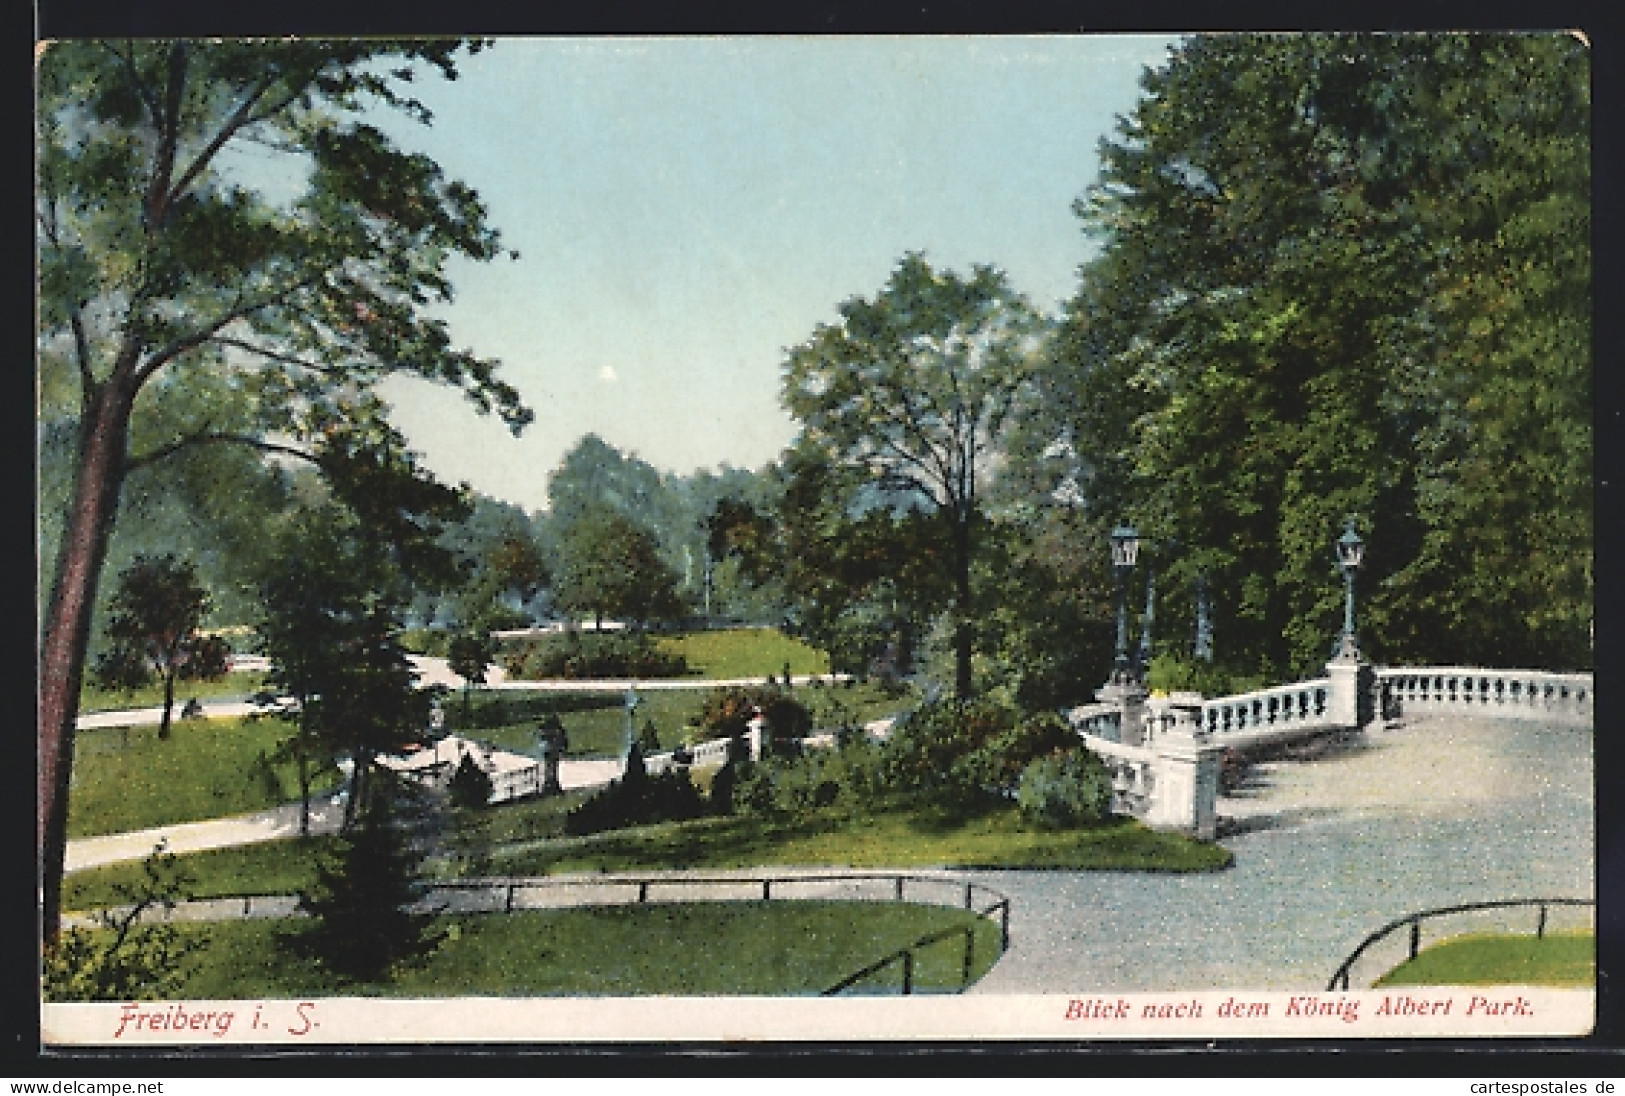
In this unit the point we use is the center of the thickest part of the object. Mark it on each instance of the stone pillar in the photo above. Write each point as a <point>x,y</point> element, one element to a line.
<point>1186,790</point>
<point>1130,699</point>
<point>550,771</point>
<point>1349,703</point>
<point>756,735</point>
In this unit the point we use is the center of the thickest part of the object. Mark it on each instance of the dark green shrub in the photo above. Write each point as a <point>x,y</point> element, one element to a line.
<point>640,799</point>
<point>1065,790</point>
<point>817,780</point>
<point>931,753</point>
<point>433,642</point>
<point>364,910</point>
<point>727,711</point>
<point>997,764</point>
<point>580,655</point>
<point>470,786</point>
<point>958,753</point>
<point>723,784</point>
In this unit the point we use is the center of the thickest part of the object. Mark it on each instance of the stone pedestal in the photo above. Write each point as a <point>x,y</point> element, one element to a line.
<point>1349,703</point>
<point>1186,791</point>
<point>1130,698</point>
<point>550,773</point>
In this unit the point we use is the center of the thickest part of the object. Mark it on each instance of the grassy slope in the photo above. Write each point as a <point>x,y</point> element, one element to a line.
<point>789,947</point>
<point>235,686</point>
<point>744,652</point>
<point>128,779</point>
<point>897,839</point>
<point>596,723</point>
<point>272,867</point>
<point>1558,959</point>
<point>901,839</point>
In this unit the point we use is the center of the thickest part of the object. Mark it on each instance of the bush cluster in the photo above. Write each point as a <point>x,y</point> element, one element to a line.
<point>1065,790</point>
<point>592,654</point>
<point>816,781</point>
<point>727,711</point>
<point>954,752</point>
<point>638,799</point>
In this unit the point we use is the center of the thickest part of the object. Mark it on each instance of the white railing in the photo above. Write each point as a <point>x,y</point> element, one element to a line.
<point>714,752</point>
<point>1510,694</point>
<point>1103,721</point>
<point>1133,770</point>
<point>516,783</point>
<point>1284,709</point>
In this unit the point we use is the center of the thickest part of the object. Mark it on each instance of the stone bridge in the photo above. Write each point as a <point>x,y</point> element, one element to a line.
<point>1166,753</point>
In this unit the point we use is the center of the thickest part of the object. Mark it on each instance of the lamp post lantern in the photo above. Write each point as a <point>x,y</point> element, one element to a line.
<point>1350,553</point>
<point>1125,550</point>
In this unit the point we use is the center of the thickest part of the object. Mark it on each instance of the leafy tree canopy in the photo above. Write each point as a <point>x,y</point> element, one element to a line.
<point>1346,274</point>
<point>229,251</point>
<point>914,390</point>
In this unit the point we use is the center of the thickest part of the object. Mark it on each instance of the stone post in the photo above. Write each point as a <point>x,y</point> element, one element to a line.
<point>756,735</point>
<point>1129,697</point>
<point>1349,703</point>
<point>550,768</point>
<point>1186,789</point>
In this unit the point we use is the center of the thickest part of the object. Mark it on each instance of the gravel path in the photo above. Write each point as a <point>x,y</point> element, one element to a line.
<point>1427,815</point>
<point>268,825</point>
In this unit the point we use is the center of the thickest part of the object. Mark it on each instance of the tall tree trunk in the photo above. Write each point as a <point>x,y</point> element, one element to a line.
<point>962,629</point>
<point>303,758</point>
<point>169,702</point>
<point>104,434</point>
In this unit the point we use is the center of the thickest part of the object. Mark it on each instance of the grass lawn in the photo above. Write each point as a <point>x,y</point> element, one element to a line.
<point>1489,959</point>
<point>903,838</point>
<point>284,866</point>
<point>534,833</point>
<point>596,722</point>
<point>239,685</point>
<point>769,948</point>
<point>126,778</point>
<point>743,652</point>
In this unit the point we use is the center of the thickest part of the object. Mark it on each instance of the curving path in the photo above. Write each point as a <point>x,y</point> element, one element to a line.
<point>1426,815</point>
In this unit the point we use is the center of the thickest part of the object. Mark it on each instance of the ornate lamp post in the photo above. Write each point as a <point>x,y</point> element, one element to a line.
<point>631,712</point>
<point>1203,648</point>
<point>1125,550</point>
<point>1350,553</point>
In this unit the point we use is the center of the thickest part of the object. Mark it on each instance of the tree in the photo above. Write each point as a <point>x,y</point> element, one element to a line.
<point>469,655</point>
<point>914,390</point>
<point>1347,274</point>
<point>157,611</point>
<point>125,957</point>
<point>610,565</point>
<point>330,627</point>
<point>470,786</point>
<point>502,566</point>
<point>185,301</point>
<point>365,906</point>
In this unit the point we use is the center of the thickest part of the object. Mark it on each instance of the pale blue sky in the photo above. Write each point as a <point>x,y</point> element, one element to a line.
<point>686,209</point>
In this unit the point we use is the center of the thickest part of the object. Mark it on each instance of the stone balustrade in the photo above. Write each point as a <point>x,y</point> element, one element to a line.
<point>1277,712</point>
<point>1163,752</point>
<point>1500,694</point>
<point>1103,721</point>
<point>1133,770</point>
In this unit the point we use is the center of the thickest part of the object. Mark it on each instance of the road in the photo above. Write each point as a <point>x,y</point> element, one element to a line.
<point>269,825</point>
<point>1428,815</point>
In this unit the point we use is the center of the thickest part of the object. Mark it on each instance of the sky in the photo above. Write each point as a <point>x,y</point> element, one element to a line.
<point>687,209</point>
